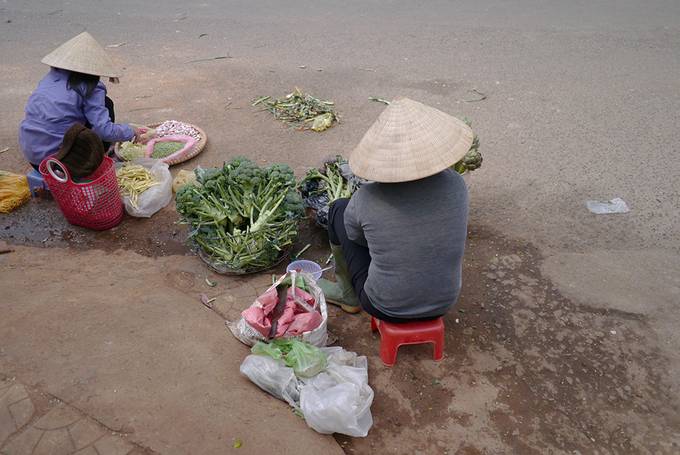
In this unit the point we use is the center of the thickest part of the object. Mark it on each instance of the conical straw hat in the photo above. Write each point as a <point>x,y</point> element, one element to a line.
<point>83,54</point>
<point>410,141</point>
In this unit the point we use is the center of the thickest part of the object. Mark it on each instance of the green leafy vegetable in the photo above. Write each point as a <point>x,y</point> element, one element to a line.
<point>129,151</point>
<point>473,158</point>
<point>243,216</point>
<point>305,359</point>
<point>331,180</point>
<point>166,148</point>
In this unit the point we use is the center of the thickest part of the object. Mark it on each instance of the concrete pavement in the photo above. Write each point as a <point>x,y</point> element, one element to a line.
<point>124,342</point>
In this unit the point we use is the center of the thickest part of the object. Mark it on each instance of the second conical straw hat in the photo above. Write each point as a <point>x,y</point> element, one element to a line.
<point>410,141</point>
<point>83,54</point>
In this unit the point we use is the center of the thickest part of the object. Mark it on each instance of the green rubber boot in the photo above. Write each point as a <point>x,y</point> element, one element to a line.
<point>341,292</point>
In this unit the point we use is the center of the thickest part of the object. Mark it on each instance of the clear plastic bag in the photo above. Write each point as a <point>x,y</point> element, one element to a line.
<point>273,377</point>
<point>616,205</point>
<point>305,360</point>
<point>336,400</point>
<point>339,399</point>
<point>156,197</point>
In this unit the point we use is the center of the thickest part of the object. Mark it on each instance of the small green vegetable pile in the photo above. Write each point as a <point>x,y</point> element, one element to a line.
<point>129,151</point>
<point>301,110</point>
<point>473,158</point>
<point>243,216</point>
<point>163,149</point>
<point>331,181</point>
<point>305,359</point>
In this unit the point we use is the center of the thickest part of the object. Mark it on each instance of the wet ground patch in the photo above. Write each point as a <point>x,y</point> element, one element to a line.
<point>526,371</point>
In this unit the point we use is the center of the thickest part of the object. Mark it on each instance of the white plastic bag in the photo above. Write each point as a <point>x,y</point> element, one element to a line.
<point>273,377</point>
<point>337,400</point>
<point>156,197</point>
<point>318,337</point>
<point>616,205</point>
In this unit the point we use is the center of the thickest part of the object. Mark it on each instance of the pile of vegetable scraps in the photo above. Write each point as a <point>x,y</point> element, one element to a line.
<point>301,110</point>
<point>242,216</point>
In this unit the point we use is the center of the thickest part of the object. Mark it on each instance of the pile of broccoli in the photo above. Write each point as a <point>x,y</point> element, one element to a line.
<point>243,216</point>
<point>473,158</point>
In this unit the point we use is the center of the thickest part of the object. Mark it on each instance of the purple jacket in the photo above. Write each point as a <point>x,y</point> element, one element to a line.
<point>53,108</point>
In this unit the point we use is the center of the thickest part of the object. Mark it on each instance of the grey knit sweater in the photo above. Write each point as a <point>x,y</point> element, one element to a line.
<point>415,232</point>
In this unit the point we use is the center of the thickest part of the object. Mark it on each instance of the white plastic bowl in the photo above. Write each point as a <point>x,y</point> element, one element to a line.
<point>305,266</point>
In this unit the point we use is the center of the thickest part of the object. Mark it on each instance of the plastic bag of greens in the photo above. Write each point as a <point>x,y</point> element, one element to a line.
<point>339,399</point>
<point>335,400</point>
<point>269,349</point>
<point>305,360</point>
<point>273,377</point>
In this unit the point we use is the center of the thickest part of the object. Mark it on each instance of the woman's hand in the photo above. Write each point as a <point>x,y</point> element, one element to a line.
<point>143,134</point>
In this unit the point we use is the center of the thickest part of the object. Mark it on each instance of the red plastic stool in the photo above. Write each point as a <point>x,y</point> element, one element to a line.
<point>394,335</point>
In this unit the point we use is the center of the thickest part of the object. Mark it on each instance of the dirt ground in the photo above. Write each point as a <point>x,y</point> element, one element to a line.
<point>527,370</point>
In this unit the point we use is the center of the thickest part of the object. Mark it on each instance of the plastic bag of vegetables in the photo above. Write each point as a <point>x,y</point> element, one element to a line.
<point>336,399</point>
<point>243,217</point>
<point>318,336</point>
<point>320,187</point>
<point>146,186</point>
<point>305,359</point>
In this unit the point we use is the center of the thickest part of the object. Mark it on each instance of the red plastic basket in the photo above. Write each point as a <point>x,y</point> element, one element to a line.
<point>95,204</point>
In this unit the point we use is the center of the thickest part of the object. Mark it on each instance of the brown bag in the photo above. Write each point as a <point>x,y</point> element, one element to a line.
<point>82,151</point>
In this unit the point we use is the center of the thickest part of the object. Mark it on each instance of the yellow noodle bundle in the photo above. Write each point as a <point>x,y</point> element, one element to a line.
<point>14,191</point>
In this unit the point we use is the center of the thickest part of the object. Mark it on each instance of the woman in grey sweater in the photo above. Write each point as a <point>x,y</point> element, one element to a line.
<point>398,242</point>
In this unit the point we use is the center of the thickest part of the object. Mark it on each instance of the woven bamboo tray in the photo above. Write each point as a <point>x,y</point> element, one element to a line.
<point>196,149</point>
<point>223,270</point>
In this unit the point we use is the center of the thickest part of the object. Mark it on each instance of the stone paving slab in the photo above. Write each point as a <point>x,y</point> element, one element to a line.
<point>58,429</point>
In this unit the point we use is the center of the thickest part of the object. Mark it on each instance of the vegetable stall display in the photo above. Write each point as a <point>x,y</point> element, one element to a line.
<point>243,218</point>
<point>172,142</point>
<point>322,186</point>
<point>335,180</point>
<point>133,180</point>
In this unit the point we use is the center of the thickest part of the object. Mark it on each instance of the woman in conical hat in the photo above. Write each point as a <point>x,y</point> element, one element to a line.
<point>71,93</point>
<point>398,242</point>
